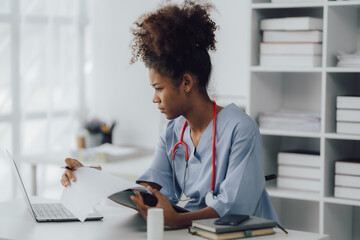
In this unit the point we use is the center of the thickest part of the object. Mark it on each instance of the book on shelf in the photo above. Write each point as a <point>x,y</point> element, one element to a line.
<point>312,36</point>
<point>231,235</point>
<point>349,166</point>
<point>298,184</point>
<point>347,181</point>
<point>290,48</point>
<point>252,223</point>
<point>299,172</point>
<point>292,23</point>
<point>348,115</point>
<point>348,127</point>
<point>300,158</point>
<point>348,102</point>
<point>346,192</point>
<point>290,60</point>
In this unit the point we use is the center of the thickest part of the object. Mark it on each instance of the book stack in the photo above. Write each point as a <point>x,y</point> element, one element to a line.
<point>291,42</point>
<point>299,170</point>
<point>348,114</point>
<point>347,179</point>
<point>254,226</point>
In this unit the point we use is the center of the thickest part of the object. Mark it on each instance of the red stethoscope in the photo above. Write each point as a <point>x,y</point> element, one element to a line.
<point>209,195</point>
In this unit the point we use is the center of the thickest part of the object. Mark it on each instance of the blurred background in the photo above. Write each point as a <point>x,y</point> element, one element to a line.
<point>66,62</point>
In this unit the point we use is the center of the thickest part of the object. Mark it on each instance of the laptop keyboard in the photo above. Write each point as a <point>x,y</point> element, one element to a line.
<point>52,211</point>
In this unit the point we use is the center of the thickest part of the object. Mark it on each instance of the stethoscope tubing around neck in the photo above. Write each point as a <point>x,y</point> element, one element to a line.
<point>181,142</point>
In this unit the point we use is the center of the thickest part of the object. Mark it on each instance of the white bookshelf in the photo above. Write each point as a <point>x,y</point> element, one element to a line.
<point>309,89</point>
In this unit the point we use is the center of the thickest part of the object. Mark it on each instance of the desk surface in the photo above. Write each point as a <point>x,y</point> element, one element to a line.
<point>118,223</point>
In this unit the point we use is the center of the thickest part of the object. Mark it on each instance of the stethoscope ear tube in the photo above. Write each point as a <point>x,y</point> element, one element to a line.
<point>181,142</point>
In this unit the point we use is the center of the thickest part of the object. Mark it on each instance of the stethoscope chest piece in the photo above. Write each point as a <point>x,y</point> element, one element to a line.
<point>209,198</point>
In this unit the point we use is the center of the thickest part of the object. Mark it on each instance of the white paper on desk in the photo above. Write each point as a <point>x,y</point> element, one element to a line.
<point>91,187</point>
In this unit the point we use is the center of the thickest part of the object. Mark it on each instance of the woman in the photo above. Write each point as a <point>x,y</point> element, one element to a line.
<point>217,166</point>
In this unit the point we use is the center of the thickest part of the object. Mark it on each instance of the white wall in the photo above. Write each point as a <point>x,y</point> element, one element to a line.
<point>121,91</point>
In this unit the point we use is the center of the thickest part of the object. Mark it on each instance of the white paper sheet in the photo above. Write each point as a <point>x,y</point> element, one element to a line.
<point>91,187</point>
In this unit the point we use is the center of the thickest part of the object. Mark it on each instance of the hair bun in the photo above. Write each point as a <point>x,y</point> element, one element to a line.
<point>174,31</point>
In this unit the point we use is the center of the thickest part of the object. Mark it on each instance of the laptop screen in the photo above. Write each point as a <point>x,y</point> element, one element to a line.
<point>9,158</point>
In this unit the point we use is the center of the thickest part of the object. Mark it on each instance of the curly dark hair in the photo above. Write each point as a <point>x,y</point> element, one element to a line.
<point>175,39</point>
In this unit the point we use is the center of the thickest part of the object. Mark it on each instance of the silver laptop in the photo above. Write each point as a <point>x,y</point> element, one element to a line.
<point>47,212</point>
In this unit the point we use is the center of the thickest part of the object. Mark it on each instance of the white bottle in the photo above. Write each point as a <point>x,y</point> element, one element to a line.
<point>155,224</point>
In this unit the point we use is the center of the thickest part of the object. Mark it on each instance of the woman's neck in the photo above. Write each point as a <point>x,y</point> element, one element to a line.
<point>200,115</point>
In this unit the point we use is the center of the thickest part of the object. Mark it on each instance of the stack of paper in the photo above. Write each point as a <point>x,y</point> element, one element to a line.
<point>348,60</point>
<point>290,120</point>
<point>299,170</point>
<point>348,114</point>
<point>347,179</point>
<point>291,42</point>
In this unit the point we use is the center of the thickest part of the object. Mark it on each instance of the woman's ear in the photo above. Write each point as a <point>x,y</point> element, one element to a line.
<point>187,82</point>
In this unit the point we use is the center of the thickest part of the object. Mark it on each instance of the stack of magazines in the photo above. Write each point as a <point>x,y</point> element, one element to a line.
<point>290,120</point>
<point>348,60</point>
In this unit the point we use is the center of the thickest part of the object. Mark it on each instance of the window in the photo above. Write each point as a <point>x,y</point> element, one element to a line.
<point>42,74</point>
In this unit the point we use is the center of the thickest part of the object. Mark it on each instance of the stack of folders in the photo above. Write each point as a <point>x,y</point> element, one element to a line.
<point>254,226</point>
<point>347,179</point>
<point>299,170</point>
<point>291,42</point>
<point>348,114</point>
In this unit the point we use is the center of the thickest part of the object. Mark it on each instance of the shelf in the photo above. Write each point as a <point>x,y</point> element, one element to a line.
<point>344,3</point>
<point>345,70</point>
<point>342,136</point>
<point>286,5</point>
<point>289,133</point>
<point>285,69</point>
<point>293,194</point>
<point>342,201</point>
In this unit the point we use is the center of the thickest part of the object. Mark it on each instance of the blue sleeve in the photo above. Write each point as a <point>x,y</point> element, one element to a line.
<point>160,169</point>
<point>241,190</point>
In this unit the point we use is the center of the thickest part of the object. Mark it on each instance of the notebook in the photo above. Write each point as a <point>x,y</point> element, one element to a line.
<point>46,212</point>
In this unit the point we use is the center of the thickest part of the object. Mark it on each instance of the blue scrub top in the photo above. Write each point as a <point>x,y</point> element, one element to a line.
<point>239,182</point>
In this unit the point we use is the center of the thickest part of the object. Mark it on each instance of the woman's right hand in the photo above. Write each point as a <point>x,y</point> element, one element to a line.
<point>68,175</point>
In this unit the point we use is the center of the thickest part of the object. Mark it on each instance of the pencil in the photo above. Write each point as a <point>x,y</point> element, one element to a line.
<point>98,167</point>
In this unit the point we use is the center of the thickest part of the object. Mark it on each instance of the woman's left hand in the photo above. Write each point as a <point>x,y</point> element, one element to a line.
<point>171,217</point>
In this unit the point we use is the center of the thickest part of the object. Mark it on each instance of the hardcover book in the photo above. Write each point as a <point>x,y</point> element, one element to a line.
<point>290,48</point>
<point>290,60</point>
<point>292,23</point>
<point>231,235</point>
<point>347,115</point>
<point>298,184</point>
<point>350,166</point>
<point>314,36</point>
<point>348,102</point>
<point>348,127</point>
<point>300,158</point>
<point>250,224</point>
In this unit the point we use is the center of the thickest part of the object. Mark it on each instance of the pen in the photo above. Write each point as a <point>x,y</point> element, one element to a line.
<point>98,167</point>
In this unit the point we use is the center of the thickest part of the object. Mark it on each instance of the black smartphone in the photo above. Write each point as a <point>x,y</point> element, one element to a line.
<point>232,220</point>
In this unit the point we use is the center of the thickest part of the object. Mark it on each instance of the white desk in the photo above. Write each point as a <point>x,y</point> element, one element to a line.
<point>118,223</point>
